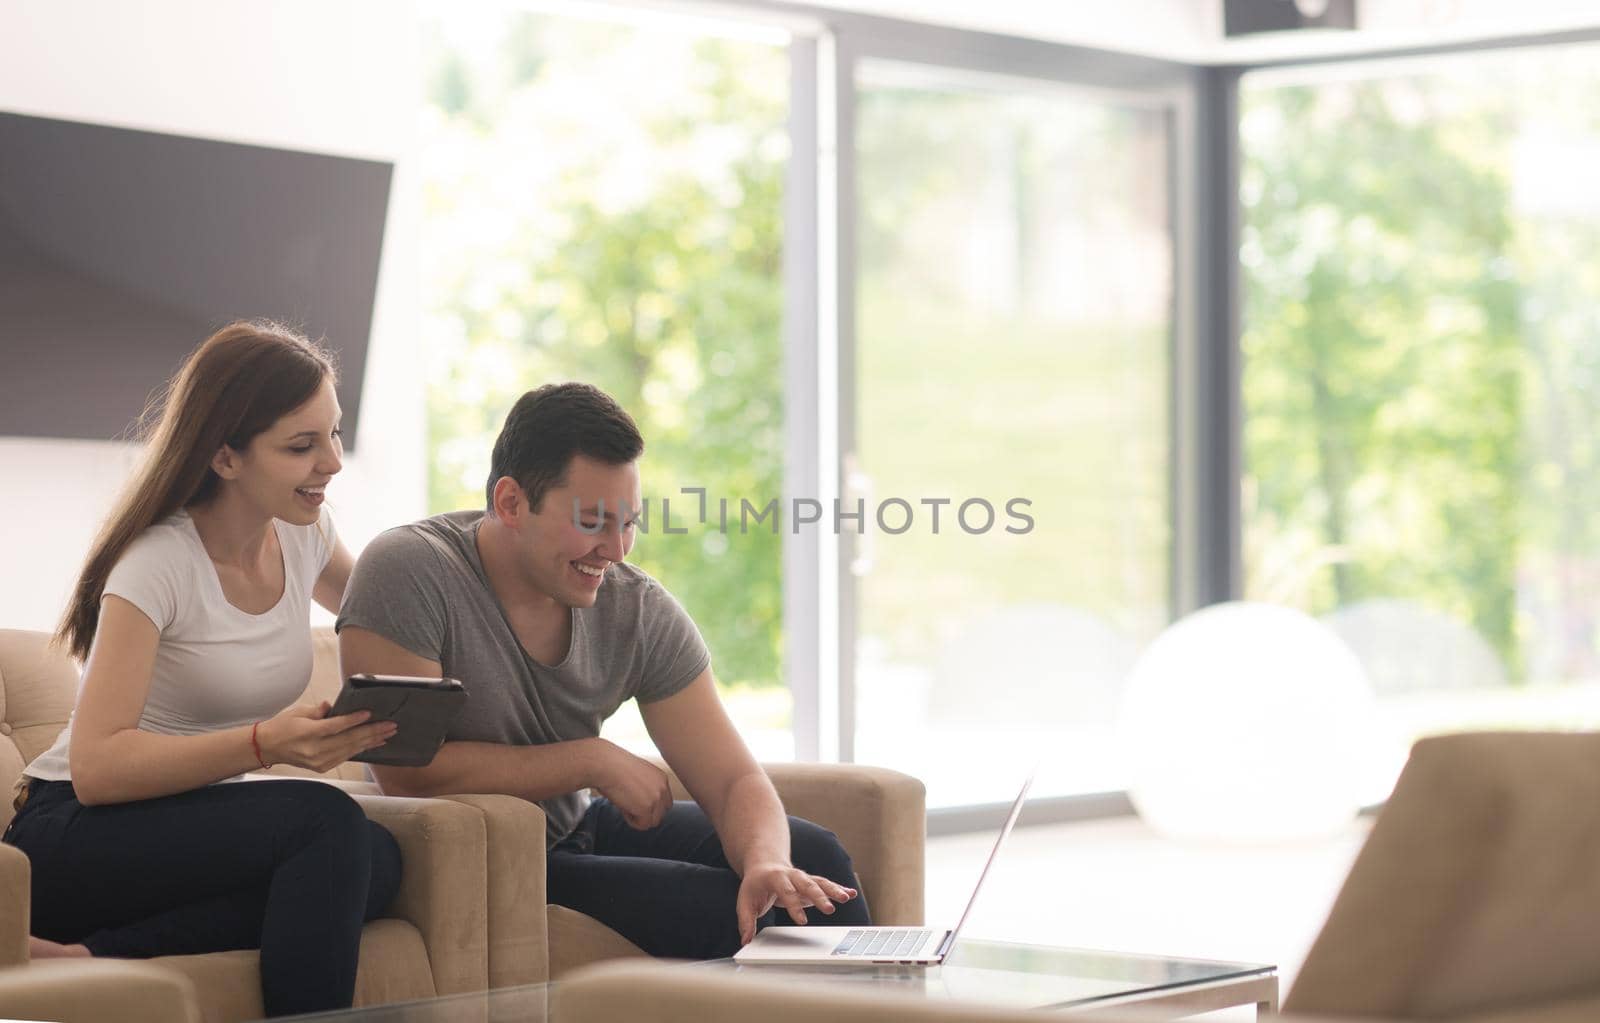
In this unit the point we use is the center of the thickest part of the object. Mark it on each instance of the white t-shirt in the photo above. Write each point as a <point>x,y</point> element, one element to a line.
<point>216,666</point>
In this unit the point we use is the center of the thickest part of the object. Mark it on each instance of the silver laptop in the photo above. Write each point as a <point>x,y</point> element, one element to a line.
<point>823,945</point>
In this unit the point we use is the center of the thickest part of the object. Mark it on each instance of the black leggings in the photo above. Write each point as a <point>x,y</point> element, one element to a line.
<point>288,866</point>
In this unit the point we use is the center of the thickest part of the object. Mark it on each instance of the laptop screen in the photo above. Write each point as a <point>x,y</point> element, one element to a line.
<point>1011,820</point>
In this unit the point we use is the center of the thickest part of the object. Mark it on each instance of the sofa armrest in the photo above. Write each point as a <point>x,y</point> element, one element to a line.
<point>879,815</point>
<point>16,903</point>
<point>354,786</point>
<point>93,990</point>
<point>443,887</point>
<point>519,947</point>
<point>514,876</point>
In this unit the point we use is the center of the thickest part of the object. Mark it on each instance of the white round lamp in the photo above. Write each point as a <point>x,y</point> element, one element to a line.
<point>1246,722</point>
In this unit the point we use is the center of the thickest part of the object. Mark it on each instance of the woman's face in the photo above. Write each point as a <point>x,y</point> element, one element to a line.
<point>285,467</point>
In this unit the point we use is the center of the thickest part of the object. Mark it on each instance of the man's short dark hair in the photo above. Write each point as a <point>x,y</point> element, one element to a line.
<point>550,424</point>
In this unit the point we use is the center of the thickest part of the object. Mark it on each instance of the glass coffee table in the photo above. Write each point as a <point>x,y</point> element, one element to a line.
<point>1000,974</point>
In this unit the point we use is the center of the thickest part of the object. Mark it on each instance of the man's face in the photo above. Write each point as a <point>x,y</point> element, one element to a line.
<point>570,545</point>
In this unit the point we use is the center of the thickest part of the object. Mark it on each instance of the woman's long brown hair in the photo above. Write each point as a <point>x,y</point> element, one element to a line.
<point>236,384</point>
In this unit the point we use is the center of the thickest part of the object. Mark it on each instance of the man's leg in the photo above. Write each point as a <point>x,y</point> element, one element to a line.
<point>816,850</point>
<point>681,913</point>
<point>666,907</point>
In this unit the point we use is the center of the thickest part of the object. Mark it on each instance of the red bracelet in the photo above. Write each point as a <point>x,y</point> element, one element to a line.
<point>257,746</point>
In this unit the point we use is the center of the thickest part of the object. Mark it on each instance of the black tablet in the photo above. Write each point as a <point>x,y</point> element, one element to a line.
<point>423,707</point>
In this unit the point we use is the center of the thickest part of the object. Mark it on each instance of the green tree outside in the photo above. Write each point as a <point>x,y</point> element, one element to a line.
<point>1420,349</point>
<point>603,203</point>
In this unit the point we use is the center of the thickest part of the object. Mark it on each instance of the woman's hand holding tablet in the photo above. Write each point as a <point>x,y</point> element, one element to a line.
<point>424,708</point>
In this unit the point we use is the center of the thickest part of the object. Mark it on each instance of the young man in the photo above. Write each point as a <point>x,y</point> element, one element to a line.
<point>531,605</point>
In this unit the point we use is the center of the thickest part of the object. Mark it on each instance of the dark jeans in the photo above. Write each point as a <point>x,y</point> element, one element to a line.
<point>287,866</point>
<point>670,890</point>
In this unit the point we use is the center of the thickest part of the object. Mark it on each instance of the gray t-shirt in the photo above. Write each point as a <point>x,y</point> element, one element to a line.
<point>423,587</point>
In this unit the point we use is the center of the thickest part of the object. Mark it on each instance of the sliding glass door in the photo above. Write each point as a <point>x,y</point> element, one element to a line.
<point>1012,455</point>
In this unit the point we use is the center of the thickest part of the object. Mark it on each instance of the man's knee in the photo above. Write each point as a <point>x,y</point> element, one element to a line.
<point>816,850</point>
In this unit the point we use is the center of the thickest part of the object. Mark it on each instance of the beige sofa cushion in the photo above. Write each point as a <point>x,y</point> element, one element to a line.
<point>577,940</point>
<point>94,991</point>
<point>393,968</point>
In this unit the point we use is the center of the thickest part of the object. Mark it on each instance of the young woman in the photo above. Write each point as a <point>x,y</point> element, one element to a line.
<point>192,619</point>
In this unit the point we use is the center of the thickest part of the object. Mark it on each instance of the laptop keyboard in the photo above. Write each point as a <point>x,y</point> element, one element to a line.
<point>882,944</point>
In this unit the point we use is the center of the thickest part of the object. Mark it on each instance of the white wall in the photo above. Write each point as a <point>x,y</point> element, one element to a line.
<point>331,76</point>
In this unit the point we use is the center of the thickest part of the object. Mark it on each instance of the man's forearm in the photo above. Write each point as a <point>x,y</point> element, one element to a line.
<point>752,824</point>
<point>531,772</point>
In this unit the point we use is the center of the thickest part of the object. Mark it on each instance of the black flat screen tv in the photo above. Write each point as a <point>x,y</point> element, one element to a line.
<point>121,250</point>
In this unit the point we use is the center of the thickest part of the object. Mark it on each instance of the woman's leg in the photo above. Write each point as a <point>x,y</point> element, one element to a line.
<point>297,856</point>
<point>235,920</point>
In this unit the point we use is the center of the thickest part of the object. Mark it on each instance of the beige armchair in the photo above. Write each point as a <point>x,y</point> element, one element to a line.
<point>435,940</point>
<point>1477,894</point>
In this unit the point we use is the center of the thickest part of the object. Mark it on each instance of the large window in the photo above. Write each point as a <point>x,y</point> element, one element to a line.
<point>1421,353</point>
<point>603,203</point>
<point>1014,323</point>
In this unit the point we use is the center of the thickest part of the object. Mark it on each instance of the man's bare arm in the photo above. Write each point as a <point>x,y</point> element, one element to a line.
<point>531,772</point>
<point>700,744</point>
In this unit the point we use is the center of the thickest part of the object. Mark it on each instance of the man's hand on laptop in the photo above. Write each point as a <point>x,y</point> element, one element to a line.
<point>636,787</point>
<point>783,884</point>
